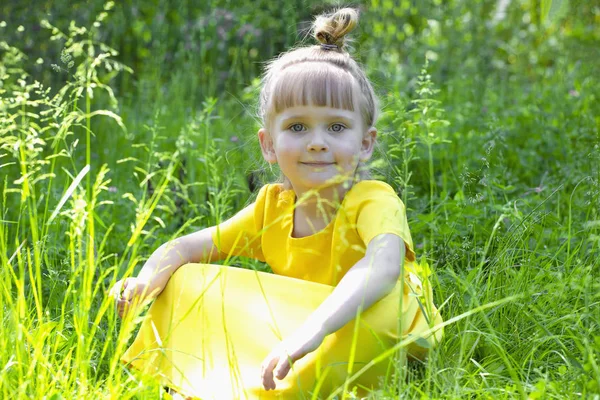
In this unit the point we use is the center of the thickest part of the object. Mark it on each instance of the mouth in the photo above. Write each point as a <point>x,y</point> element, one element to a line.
<point>317,164</point>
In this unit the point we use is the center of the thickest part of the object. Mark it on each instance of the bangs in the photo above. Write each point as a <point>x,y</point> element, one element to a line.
<point>320,84</point>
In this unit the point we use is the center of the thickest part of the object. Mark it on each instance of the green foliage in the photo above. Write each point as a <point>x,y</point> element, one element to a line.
<point>489,130</point>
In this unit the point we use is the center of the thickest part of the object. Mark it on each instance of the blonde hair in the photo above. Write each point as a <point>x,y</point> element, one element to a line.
<point>315,75</point>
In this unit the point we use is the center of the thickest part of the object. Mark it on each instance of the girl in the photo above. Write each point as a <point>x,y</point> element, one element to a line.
<point>337,243</point>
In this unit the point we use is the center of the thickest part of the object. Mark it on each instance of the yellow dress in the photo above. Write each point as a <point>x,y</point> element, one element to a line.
<point>209,331</point>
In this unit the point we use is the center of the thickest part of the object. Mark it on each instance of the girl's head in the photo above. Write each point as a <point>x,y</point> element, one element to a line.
<point>317,106</point>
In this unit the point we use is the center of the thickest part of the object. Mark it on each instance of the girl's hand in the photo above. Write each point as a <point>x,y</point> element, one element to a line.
<point>304,341</point>
<point>130,291</point>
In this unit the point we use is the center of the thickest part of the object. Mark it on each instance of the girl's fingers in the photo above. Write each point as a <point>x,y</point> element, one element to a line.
<point>282,369</point>
<point>267,372</point>
<point>129,289</point>
<point>122,306</point>
<point>133,288</point>
<point>124,292</point>
<point>276,365</point>
<point>130,292</point>
<point>115,291</point>
<point>127,294</point>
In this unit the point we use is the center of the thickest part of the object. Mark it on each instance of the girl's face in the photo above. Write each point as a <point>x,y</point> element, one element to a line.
<point>315,145</point>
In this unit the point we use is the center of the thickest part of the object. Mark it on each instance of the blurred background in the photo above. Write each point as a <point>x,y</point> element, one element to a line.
<point>506,89</point>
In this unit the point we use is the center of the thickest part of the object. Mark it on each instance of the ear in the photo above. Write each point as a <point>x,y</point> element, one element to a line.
<point>266,146</point>
<point>368,144</point>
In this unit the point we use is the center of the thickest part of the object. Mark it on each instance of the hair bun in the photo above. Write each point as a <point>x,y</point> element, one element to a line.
<point>331,28</point>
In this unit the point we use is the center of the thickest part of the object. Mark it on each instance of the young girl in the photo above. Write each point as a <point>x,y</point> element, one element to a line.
<point>337,244</point>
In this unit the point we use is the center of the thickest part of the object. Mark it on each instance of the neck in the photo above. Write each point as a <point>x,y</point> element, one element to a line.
<point>322,202</point>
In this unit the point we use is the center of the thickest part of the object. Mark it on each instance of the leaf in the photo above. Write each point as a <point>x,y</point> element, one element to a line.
<point>426,217</point>
<point>544,9</point>
<point>552,10</point>
<point>459,196</point>
<point>69,192</point>
<point>423,343</point>
<point>109,114</point>
<point>160,221</point>
<point>562,370</point>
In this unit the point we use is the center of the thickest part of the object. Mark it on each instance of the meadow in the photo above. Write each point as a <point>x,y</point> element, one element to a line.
<point>124,125</point>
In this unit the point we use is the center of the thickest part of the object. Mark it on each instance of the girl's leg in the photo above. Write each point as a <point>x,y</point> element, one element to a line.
<point>207,334</point>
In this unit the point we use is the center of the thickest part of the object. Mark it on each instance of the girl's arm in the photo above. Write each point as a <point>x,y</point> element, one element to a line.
<point>195,247</point>
<point>164,261</point>
<point>369,280</point>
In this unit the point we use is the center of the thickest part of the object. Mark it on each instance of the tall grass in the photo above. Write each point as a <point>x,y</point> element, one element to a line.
<point>501,175</point>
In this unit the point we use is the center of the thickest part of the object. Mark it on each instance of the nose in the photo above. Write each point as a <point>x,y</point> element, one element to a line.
<point>316,142</point>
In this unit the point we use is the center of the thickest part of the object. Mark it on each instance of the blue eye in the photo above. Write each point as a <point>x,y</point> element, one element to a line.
<point>296,128</point>
<point>337,127</point>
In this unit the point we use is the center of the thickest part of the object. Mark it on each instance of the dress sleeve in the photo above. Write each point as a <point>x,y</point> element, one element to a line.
<point>241,234</point>
<point>377,209</point>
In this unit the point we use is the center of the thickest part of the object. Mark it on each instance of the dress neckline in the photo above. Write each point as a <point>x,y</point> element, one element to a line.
<point>318,233</point>
<point>288,195</point>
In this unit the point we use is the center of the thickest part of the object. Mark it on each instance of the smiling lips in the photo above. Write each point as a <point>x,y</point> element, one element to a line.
<point>318,163</point>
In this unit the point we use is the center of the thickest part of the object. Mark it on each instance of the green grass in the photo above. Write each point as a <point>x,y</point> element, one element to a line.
<point>494,145</point>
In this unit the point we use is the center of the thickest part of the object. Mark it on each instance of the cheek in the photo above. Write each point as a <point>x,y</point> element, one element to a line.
<point>349,152</point>
<point>287,146</point>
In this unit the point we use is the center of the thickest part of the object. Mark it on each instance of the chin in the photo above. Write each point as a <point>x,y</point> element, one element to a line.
<point>325,180</point>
